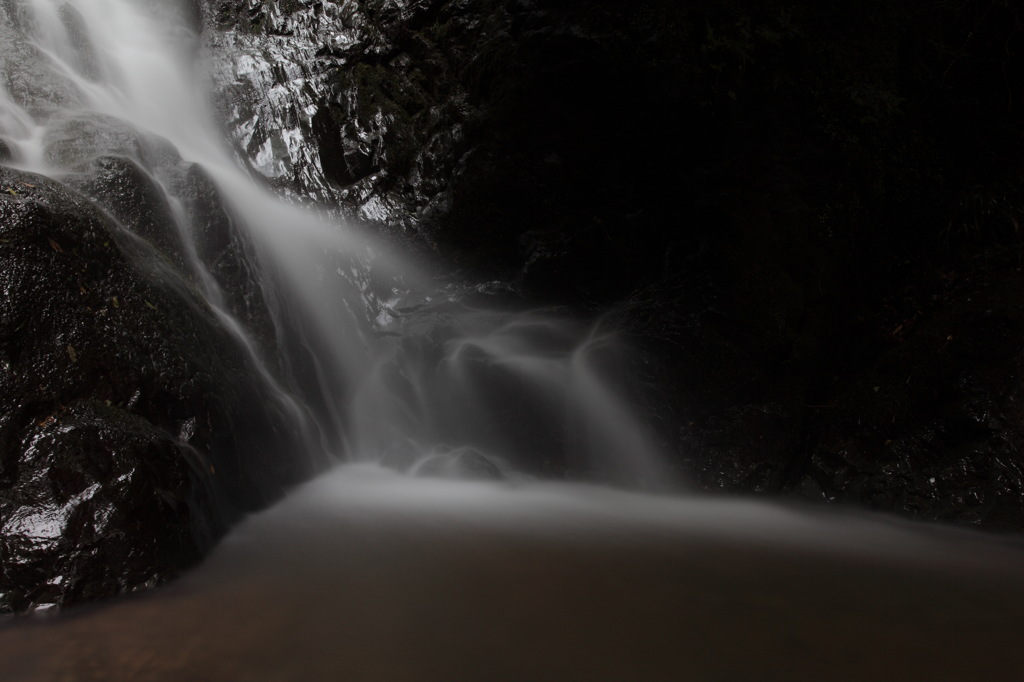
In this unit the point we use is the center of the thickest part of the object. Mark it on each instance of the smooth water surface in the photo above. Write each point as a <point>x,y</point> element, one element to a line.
<point>368,575</point>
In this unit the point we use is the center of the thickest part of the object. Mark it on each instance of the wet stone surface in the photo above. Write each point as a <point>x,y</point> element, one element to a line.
<point>124,408</point>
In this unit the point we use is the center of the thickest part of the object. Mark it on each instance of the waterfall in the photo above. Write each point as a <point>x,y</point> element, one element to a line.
<point>365,573</point>
<point>371,357</point>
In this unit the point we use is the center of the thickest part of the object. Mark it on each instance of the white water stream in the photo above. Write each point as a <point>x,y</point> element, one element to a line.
<point>369,575</point>
<point>332,293</point>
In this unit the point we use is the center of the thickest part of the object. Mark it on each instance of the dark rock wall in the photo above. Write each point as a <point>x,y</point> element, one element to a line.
<point>807,215</point>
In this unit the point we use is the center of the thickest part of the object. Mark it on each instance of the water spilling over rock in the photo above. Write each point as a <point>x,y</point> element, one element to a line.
<point>179,345</point>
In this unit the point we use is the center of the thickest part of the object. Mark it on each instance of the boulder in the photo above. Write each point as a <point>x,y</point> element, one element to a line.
<point>133,429</point>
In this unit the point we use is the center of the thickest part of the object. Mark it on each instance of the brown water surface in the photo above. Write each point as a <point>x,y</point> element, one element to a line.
<point>364,576</point>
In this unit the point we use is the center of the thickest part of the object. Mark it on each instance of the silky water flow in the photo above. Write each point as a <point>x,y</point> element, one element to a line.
<point>405,572</point>
<point>399,369</point>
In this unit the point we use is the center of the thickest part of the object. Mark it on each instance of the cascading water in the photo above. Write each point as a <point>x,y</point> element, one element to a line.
<point>366,574</point>
<point>381,366</point>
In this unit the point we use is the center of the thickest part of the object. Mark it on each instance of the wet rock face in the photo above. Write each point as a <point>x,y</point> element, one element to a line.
<point>133,198</point>
<point>519,139</point>
<point>357,106</point>
<point>125,171</point>
<point>96,505</point>
<point>126,411</point>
